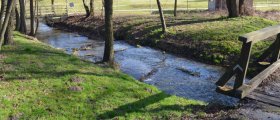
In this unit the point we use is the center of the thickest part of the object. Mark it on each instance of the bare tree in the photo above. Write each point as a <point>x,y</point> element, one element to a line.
<point>32,18</point>
<point>23,28</point>
<point>8,37</point>
<point>163,25</point>
<point>2,12</point>
<point>91,5</point>
<point>175,8</point>
<point>109,38</point>
<point>86,8</point>
<point>10,5</point>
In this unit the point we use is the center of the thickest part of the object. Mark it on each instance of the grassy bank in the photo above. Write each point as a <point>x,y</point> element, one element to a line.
<point>207,37</point>
<point>40,82</point>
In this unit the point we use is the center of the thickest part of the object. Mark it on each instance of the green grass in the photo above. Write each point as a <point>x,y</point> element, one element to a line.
<point>35,82</point>
<point>211,39</point>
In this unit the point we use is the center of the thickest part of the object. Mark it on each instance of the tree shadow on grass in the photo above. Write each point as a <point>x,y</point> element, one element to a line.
<point>139,107</point>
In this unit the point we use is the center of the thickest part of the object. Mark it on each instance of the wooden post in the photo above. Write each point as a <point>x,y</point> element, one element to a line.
<point>163,24</point>
<point>276,52</point>
<point>243,64</point>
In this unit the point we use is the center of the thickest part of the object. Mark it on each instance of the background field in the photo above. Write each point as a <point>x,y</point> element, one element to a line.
<point>146,6</point>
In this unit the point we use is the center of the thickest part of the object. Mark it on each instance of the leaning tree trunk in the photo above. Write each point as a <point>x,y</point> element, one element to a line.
<point>109,38</point>
<point>238,8</point>
<point>23,28</point>
<point>2,12</point>
<point>163,25</point>
<point>86,8</point>
<point>91,5</point>
<point>175,8</point>
<point>10,28</point>
<point>6,21</point>
<point>32,18</point>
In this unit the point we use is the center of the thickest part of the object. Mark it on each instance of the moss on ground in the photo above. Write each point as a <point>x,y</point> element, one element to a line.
<point>40,82</point>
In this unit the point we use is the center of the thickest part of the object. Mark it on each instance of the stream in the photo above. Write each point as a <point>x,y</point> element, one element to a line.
<point>171,74</point>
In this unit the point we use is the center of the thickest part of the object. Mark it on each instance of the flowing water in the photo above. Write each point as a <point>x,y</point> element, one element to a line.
<point>172,74</point>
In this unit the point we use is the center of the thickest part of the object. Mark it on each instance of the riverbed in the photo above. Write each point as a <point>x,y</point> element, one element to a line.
<point>171,74</point>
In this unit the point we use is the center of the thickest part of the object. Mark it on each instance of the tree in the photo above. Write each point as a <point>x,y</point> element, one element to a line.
<point>163,25</point>
<point>109,38</point>
<point>8,37</point>
<point>52,1</point>
<point>32,18</point>
<point>175,8</point>
<point>91,5</point>
<point>89,9</point>
<point>23,28</point>
<point>17,19</point>
<point>86,8</point>
<point>2,12</point>
<point>10,5</point>
<point>238,8</point>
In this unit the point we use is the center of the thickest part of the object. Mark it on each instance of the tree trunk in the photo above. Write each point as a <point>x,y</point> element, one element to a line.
<point>86,8</point>
<point>163,25</point>
<point>17,19</point>
<point>53,10</point>
<point>37,18</point>
<point>32,18</point>
<point>246,7</point>
<point>91,5</point>
<point>6,21</point>
<point>109,38</point>
<point>23,28</point>
<point>2,12</point>
<point>175,8</point>
<point>8,38</point>
<point>238,8</point>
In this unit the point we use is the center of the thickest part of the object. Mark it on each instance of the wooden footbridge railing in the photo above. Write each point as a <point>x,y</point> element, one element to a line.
<point>239,70</point>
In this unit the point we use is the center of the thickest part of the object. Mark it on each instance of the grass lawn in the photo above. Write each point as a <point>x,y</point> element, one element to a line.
<point>211,39</point>
<point>40,82</point>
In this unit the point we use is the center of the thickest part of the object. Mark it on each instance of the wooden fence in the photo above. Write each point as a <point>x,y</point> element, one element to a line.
<point>239,70</point>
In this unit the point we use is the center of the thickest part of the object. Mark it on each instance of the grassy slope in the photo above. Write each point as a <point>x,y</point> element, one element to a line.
<point>36,86</point>
<point>213,39</point>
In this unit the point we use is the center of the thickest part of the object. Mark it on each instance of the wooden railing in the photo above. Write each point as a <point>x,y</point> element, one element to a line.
<point>239,70</point>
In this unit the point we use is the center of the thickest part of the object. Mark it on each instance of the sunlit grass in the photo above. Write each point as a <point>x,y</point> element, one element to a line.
<point>36,81</point>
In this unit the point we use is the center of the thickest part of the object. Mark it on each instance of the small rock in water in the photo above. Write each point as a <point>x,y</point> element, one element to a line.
<point>138,46</point>
<point>75,88</point>
<point>193,73</point>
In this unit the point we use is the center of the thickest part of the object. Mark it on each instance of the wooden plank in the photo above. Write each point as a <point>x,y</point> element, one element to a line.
<point>246,89</point>
<point>226,77</point>
<point>276,51</point>
<point>272,100</point>
<point>257,80</point>
<point>260,34</point>
<point>243,62</point>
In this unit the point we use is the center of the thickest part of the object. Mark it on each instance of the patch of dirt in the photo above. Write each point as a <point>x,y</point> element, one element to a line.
<point>76,79</point>
<point>75,88</point>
